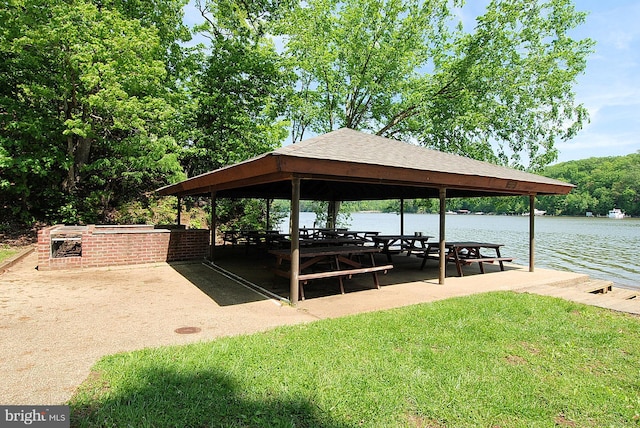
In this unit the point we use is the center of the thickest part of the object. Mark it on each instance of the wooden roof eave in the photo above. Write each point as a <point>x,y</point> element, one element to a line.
<point>275,167</point>
<point>368,173</point>
<point>262,169</point>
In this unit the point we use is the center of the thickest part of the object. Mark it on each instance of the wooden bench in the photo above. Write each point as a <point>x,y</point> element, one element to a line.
<point>232,237</point>
<point>337,261</point>
<point>470,254</point>
<point>466,261</point>
<point>304,278</point>
<point>395,244</point>
<point>481,260</point>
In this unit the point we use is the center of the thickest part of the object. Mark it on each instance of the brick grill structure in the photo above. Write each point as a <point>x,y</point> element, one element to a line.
<point>118,245</point>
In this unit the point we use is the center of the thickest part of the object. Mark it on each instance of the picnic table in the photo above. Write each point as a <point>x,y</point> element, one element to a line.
<point>233,237</point>
<point>328,262</point>
<point>365,235</point>
<point>328,242</point>
<point>465,253</point>
<point>324,236</point>
<point>257,238</point>
<point>397,243</point>
<point>319,232</point>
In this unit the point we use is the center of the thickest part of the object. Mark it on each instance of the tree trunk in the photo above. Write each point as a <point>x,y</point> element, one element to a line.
<point>69,183</point>
<point>79,150</point>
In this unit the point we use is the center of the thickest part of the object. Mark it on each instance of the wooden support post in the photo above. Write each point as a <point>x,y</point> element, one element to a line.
<point>179,209</point>
<point>442,247</point>
<point>268,225</point>
<point>214,220</point>
<point>401,216</point>
<point>295,241</point>
<point>532,234</point>
<point>332,214</point>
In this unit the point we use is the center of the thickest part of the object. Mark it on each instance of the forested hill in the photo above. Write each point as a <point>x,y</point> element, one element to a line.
<point>601,184</point>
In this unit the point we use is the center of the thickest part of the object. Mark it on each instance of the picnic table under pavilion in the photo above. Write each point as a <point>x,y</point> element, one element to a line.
<point>348,165</point>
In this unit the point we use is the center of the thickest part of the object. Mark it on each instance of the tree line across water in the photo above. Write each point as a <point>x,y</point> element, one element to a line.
<point>601,184</point>
<point>104,101</point>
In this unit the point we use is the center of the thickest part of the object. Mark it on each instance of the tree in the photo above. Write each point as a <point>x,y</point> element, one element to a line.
<point>165,17</point>
<point>239,96</point>
<point>601,184</point>
<point>405,69</point>
<point>241,89</point>
<point>85,112</point>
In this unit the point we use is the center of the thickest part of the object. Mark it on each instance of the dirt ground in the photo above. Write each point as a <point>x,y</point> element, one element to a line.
<point>55,325</point>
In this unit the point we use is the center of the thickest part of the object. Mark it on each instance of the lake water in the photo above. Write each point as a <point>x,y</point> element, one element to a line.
<point>600,247</point>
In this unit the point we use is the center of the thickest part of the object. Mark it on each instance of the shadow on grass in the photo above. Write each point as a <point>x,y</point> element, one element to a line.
<point>205,398</point>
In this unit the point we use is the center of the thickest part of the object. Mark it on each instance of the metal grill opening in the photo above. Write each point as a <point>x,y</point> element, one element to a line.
<point>66,247</point>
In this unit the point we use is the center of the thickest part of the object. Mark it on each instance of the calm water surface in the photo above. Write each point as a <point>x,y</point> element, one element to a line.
<point>600,247</point>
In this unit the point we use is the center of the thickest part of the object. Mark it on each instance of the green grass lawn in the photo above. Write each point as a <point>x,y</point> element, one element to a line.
<point>6,252</point>
<point>491,360</point>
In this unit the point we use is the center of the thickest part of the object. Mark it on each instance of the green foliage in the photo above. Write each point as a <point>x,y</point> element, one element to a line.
<point>100,104</point>
<point>240,89</point>
<point>601,184</point>
<point>165,16</point>
<point>355,59</point>
<point>239,93</point>
<point>410,206</point>
<point>249,214</point>
<point>495,359</point>
<point>408,70</point>
<point>85,113</point>
<point>146,210</point>
<point>321,210</point>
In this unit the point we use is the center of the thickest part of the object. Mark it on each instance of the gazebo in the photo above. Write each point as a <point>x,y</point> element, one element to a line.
<point>348,165</point>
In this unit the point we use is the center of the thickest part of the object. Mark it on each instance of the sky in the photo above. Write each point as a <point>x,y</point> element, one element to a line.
<point>610,86</point>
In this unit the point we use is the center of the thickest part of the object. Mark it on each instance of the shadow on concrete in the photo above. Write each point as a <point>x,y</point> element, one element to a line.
<point>255,266</point>
<point>222,290</point>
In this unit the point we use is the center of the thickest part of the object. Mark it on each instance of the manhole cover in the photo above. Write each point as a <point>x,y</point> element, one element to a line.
<point>188,330</point>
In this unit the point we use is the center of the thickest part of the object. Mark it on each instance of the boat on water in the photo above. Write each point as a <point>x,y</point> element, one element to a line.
<point>535,212</point>
<point>616,213</point>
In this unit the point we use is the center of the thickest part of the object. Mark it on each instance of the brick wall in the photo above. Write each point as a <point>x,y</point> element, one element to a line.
<point>122,245</point>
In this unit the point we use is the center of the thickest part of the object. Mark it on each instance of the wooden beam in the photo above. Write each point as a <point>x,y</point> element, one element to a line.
<point>402,216</point>
<point>442,243</point>
<point>294,222</point>
<point>268,222</point>
<point>242,174</point>
<point>179,209</point>
<point>532,232</point>
<point>333,207</point>
<point>370,173</point>
<point>272,168</point>
<point>214,220</point>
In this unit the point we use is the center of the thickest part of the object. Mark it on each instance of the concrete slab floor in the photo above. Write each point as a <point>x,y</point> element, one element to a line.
<point>55,325</point>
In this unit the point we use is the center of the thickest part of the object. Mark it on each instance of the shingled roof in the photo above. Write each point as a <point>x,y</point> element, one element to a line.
<point>350,165</point>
